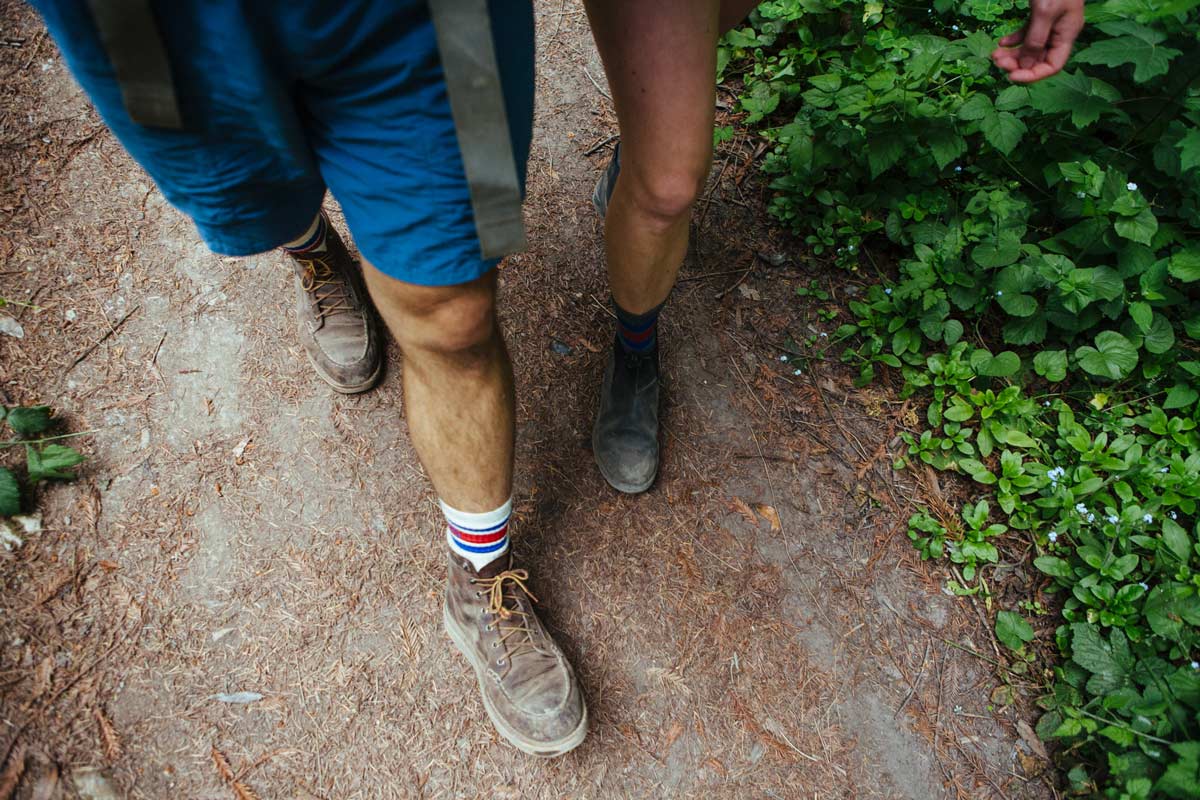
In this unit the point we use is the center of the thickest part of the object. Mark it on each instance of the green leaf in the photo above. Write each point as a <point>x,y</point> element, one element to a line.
<point>1113,357</point>
<point>1141,314</point>
<point>1145,52</point>
<point>1013,630</point>
<point>1180,396</point>
<point>1052,566</point>
<point>1161,336</point>
<point>51,462</point>
<point>1109,665</point>
<point>1185,265</point>
<point>10,494</point>
<point>1051,365</point>
<point>827,83</point>
<point>1176,540</point>
<point>1138,229</point>
<point>1169,607</point>
<point>999,252</point>
<point>29,421</point>
<point>1189,150</point>
<point>883,152</point>
<point>1085,98</point>
<point>1183,776</point>
<point>946,145</point>
<point>1001,365</point>
<point>1003,130</point>
<point>976,107</point>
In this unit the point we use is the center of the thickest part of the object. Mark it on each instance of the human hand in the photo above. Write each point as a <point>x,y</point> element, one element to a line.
<point>1040,49</point>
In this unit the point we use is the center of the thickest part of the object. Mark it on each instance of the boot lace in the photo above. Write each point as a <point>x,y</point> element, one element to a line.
<point>504,607</point>
<point>325,286</point>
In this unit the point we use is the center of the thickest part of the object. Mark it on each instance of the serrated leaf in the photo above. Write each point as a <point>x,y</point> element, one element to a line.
<point>946,145</point>
<point>1113,357</point>
<point>1083,97</point>
<point>1013,630</point>
<point>29,421</point>
<point>1090,651</point>
<point>51,462</point>
<point>1051,365</point>
<point>1003,130</point>
<point>10,494</point>
<point>998,252</point>
<point>976,107</point>
<point>1149,58</point>
<point>1189,150</point>
<point>1169,607</point>
<point>883,152</point>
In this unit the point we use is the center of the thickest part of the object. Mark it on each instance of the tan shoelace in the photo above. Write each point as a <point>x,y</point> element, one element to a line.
<point>329,292</point>
<point>503,587</point>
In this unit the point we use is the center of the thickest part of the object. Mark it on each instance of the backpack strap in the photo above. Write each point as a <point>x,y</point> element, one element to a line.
<point>464,35</point>
<point>131,38</point>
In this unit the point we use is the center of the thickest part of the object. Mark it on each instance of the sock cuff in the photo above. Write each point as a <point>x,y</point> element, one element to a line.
<point>637,322</point>
<point>477,523</point>
<point>310,238</point>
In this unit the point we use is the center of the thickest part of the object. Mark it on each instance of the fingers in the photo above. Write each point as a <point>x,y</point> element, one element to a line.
<point>1037,34</point>
<point>1014,38</point>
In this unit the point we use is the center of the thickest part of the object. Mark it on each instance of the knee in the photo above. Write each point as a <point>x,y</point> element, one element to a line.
<point>667,194</point>
<point>449,321</point>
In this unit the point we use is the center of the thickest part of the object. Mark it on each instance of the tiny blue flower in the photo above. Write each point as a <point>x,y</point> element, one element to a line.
<point>1081,508</point>
<point>1165,469</point>
<point>1131,186</point>
<point>1081,195</point>
<point>1196,665</point>
<point>953,27</point>
<point>796,372</point>
<point>783,358</point>
<point>958,168</point>
<point>1148,519</point>
<point>1112,518</point>
<point>824,335</point>
<point>1091,517</point>
<point>1053,536</point>
<point>887,291</point>
<point>999,293</point>
<point>1046,403</point>
<point>1172,515</point>
<point>1144,586</point>
<point>850,247</point>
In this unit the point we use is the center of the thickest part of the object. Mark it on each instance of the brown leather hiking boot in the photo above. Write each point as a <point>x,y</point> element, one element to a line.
<point>337,324</point>
<point>528,687</point>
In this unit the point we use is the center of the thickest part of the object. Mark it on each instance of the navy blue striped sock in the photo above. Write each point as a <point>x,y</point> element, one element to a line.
<point>638,333</point>
<point>312,240</point>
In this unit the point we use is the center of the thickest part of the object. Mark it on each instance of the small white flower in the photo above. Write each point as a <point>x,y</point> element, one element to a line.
<point>953,27</point>
<point>1053,536</point>
<point>850,248</point>
<point>1046,403</point>
<point>999,293</point>
<point>1165,469</point>
<point>1196,665</point>
<point>1148,519</point>
<point>1144,586</point>
<point>795,372</point>
<point>1113,518</point>
<point>1172,515</point>
<point>1080,195</point>
<point>824,335</point>
<point>1081,508</point>
<point>958,168</point>
<point>887,291</point>
<point>1131,186</point>
<point>783,358</point>
<point>1091,517</point>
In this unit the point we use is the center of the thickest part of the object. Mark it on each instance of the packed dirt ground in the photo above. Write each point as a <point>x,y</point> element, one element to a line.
<point>757,625</point>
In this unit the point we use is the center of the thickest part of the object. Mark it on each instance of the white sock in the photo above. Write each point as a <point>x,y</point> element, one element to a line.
<point>479,538</point>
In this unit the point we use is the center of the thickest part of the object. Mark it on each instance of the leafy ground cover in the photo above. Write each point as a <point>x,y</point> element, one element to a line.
<point>1041,294</point>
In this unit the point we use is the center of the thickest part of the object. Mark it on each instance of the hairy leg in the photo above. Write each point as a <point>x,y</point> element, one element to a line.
<point>458,385</point>
<point>660,59</point>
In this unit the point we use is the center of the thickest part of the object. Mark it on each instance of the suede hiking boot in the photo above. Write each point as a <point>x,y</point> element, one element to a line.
<point>337,324</point>
<point>625,438</point>
<point>528,687</point>
<point>607,182</point>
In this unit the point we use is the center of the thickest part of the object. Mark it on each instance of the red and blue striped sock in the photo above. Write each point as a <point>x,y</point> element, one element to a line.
<point>312,240</point>
<point>638,333</point>
<point>479,538</point>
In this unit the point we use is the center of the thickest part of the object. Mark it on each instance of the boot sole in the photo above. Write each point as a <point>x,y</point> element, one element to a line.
<point>346,388</point>
<point>525,745</point>
<point>620,486</point>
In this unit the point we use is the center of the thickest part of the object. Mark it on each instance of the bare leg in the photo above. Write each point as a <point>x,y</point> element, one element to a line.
<point>733,12</point>
<point>458,385</point>
<point>660,59</point>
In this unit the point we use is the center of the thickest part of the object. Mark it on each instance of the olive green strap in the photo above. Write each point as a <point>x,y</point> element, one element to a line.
<point>464,35</point>
<point>134,45</point>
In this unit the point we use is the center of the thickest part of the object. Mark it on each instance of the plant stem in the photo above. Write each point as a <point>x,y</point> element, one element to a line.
<point>18,442</point>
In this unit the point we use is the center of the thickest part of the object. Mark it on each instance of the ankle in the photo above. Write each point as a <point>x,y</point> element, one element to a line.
<point>638,333</point>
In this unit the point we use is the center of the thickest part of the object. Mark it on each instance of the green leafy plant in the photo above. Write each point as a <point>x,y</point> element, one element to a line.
<point>1043,295</point>
<point>45,459</point>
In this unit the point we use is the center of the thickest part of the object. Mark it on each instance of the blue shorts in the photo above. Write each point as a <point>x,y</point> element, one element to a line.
<point>282,99</point>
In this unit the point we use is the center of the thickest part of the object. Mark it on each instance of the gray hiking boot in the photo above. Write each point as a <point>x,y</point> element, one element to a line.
<point>607,182</point>
<point>528,687</point>
<point>625,438</point>
<point>337,323</point>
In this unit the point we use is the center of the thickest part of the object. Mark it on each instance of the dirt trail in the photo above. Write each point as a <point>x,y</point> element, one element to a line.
<point>241,528</point>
